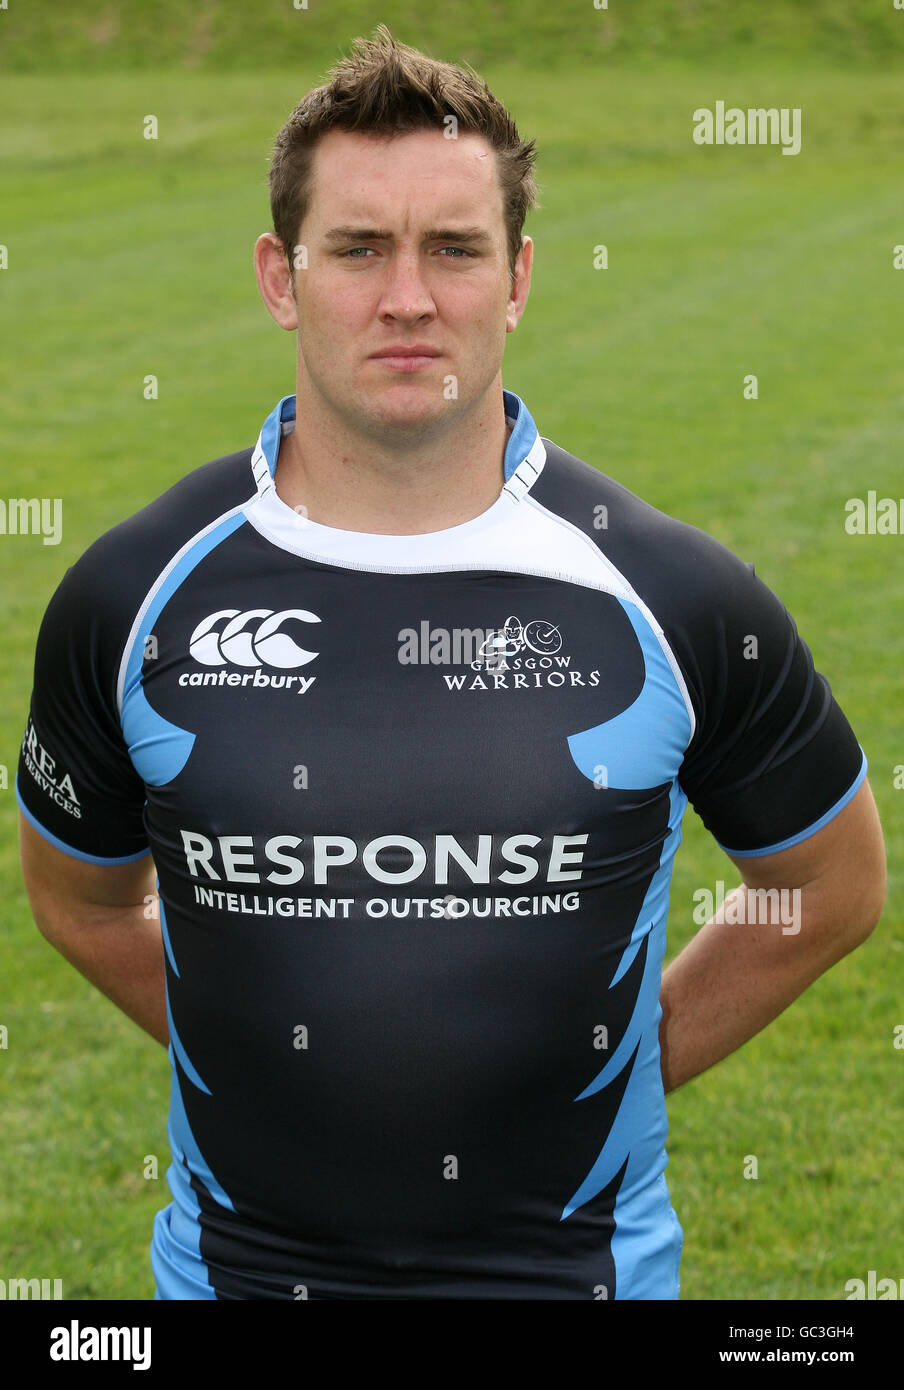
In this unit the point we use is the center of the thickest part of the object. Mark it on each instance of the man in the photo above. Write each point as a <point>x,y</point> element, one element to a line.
<point>403,707</point>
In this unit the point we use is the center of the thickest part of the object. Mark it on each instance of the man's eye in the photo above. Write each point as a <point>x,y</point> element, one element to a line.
<point>361,253</point>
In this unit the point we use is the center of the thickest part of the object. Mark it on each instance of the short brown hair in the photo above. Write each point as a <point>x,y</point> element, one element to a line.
<point>386,88</point>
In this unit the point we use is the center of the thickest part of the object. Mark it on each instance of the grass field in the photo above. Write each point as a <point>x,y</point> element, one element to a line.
<point>130,257</point>
<point>98,35</point>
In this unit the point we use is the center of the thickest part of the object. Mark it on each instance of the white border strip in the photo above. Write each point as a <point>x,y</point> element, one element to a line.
<point>632,595</point>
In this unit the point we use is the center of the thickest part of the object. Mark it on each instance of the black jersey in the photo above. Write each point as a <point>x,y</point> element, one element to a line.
<point>413,803</point>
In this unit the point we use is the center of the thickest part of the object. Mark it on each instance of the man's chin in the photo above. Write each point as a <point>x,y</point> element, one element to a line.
<point>406,413</point>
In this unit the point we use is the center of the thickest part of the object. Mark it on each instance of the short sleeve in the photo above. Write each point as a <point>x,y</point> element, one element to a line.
<point>76,783</point>
<point>773,758</point>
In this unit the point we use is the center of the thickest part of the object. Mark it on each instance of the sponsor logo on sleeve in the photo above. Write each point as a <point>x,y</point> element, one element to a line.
<point>47,772</point>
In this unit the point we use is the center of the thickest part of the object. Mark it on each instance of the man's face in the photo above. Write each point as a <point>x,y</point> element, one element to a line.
<point>406,247</point>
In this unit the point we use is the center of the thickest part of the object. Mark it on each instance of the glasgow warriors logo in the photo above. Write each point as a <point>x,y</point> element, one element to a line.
<point>537,636</point>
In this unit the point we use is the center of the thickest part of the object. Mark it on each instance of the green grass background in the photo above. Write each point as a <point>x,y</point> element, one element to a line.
<point>129,257</point>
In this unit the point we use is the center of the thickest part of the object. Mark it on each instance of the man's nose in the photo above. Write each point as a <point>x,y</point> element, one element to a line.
<point>406,294</point>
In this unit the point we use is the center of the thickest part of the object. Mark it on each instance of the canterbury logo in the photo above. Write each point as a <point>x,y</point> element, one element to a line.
<point>250,639</point>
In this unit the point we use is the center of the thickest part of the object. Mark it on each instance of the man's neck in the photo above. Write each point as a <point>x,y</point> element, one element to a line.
<point>336,477</point>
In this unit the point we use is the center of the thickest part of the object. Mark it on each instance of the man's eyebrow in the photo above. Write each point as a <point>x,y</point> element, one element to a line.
<point>470,234</point>
<point>477,234</point>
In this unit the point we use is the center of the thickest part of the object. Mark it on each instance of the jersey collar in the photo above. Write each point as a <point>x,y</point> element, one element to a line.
<point>524,458</point>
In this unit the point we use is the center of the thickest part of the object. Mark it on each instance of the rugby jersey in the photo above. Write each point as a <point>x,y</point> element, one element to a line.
<point>413,802</point>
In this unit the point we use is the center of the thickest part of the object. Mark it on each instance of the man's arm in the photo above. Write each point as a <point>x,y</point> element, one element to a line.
<point>97,917</point>
<point>733,979</point>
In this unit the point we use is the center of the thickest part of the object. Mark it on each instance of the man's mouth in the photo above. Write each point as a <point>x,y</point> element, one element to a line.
<point>407,359</point>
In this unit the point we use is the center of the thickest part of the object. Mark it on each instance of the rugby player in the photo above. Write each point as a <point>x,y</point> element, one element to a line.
<point>399,711</point>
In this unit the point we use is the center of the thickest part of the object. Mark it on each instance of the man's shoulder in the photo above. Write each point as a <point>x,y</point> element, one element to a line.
<point>134,551</point>
<point>109,582</point>
<point>193,502</point>
<point>663,558</point>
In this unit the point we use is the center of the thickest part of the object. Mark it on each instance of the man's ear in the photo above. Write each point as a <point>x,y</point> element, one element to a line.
<point>275,280</point>
<point>520,284</point>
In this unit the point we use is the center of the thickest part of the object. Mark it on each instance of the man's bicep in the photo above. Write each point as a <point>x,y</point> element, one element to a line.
<point>841,867</point>
<point>103,919</point>
<point>61,883</point>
